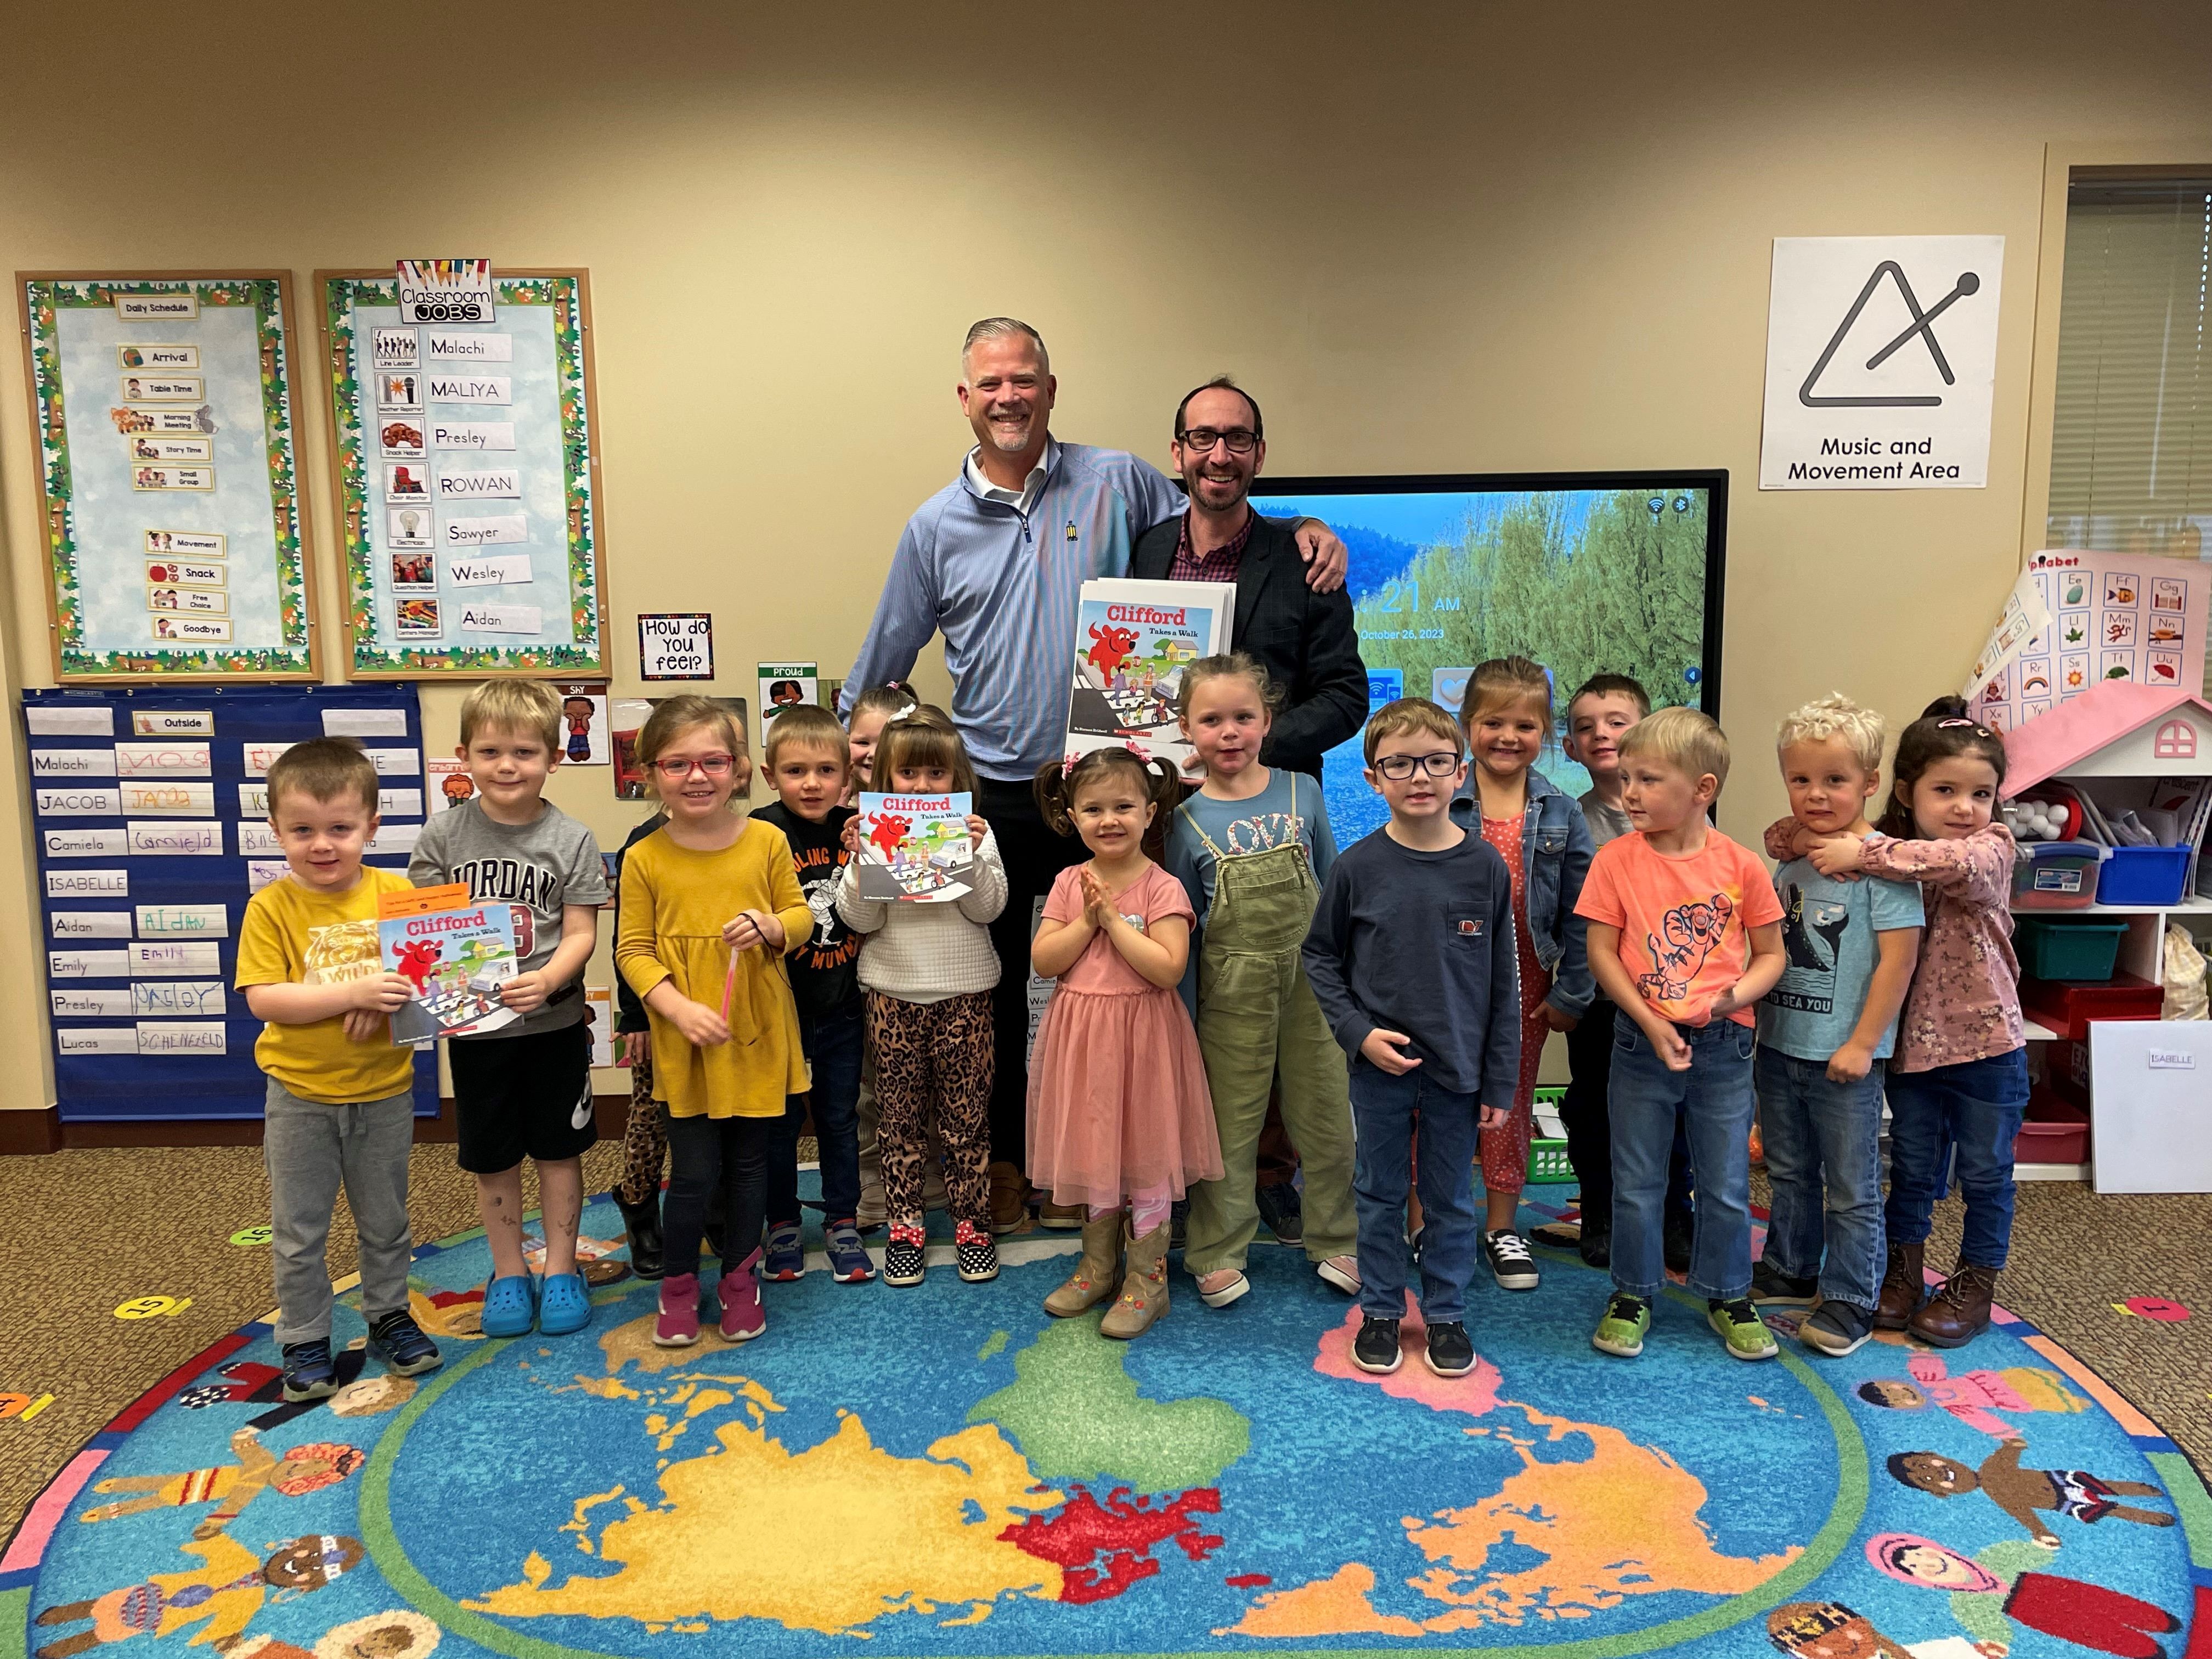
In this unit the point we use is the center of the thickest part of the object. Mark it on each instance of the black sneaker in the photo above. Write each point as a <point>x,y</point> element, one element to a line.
<point>1681,1238</point>
<point>1178,1223</point>
<point>1449,1352</point>
<point>903,1257</point>
<point>1772,1288</point>
<point>1510,1264</point>
<point>406,1351</point>
<point>1281,1208</point>
<point>1376,1348</point>
<point>976,1255</point>
<point>1837,1328</point>
<point>1595,1245</point>
<point>309,1371</point>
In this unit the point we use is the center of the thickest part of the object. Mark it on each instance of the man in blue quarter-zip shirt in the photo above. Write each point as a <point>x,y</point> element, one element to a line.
<point>995,561</point>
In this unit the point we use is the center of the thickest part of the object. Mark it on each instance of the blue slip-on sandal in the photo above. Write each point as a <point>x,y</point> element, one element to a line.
<point>564,1305</point>
<point>509,1306</point>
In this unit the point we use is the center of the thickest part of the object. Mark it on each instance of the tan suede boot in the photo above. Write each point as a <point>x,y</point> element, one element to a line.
<point>1144,1296</point>
<point>1097,1276</point>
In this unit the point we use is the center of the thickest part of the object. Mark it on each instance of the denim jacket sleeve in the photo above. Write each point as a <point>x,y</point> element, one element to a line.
<point>1573,986</point>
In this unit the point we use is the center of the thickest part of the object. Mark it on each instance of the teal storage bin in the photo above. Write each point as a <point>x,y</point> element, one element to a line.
<point>2051,949</point>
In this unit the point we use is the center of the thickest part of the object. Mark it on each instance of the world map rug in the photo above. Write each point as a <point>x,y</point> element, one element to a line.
<point>947,1471</point>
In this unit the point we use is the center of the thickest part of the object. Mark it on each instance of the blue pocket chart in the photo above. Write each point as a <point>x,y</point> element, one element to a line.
<point>152,835</point>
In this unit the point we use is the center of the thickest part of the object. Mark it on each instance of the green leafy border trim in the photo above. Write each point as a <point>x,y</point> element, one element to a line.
<point>42,299</point>
<point>371,653</point>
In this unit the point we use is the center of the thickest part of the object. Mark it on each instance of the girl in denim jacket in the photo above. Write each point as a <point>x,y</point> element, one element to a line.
<point>1541,833</point>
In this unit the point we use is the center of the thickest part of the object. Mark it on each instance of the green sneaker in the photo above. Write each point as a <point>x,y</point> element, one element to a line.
<point>1740,1326</point>
<point>1627,1321</point>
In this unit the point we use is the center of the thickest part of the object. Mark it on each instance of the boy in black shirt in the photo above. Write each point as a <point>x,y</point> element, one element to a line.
<point>808,766</point>
<point>1410,955</point>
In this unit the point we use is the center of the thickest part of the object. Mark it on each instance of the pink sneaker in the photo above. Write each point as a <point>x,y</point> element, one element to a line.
<point>678,1324</point>
<point>743,1317</point>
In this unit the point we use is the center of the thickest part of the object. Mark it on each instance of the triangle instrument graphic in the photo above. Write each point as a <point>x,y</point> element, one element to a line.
<point>1923,321</point>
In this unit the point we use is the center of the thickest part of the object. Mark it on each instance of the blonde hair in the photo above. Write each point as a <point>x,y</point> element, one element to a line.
<point>922,737</point>
<point>1503,681</point>
<point>1836,716</point>
<point>1230,664</point>
<point>805,723</point>
<point>672,719</point>
<point>324,769</point>
<point>1688,738</point>
<point>527,707</point>
<point>1407,716</point>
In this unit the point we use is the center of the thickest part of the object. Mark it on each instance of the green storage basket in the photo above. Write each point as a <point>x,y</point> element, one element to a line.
<point>1547,1164</point>
<point>2075,950</point>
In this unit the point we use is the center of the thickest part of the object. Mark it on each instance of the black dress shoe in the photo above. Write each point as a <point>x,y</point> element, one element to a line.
<point>643,1222</point>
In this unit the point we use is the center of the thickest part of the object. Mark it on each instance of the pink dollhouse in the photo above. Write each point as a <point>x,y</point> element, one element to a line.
<point>2113,731</point>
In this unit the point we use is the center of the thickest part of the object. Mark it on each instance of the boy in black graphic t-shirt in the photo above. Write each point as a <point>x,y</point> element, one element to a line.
<point>808,764</point>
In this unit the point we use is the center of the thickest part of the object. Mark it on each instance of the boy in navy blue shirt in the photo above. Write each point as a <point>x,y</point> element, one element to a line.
<point>1410,955</point>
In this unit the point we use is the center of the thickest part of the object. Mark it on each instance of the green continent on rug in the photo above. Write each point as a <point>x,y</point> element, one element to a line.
<point>948,1471</point>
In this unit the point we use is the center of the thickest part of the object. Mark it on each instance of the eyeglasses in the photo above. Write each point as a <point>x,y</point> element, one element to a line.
<point>714,766</point>
<point>1398,768</point>
<point>1200,440</point>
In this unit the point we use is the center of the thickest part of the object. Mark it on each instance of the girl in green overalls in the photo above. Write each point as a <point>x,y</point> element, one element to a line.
<point>1251,848</point>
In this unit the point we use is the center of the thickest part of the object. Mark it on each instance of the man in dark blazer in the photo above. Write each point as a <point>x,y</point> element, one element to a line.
<point>1305,640</point>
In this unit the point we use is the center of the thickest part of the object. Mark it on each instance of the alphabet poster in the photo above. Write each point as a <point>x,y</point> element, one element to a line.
<point>467,491</point>
<point>2113,616</point>
<point>168,498</point>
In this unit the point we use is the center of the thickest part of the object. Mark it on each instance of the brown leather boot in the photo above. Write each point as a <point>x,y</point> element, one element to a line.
<point>1903,1285</point>
<point>1959,1311</point>
<point>1097,1276</point>
<point>1009,1199</point>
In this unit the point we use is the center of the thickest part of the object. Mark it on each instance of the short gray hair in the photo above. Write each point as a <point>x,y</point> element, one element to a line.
<point>998,328</point>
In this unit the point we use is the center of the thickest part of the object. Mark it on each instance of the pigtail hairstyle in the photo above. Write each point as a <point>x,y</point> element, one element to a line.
<point>1944,729</point>
<point>1059,782</point>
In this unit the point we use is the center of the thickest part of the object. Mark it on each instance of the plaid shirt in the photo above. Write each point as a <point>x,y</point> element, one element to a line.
<point>1218,566</point>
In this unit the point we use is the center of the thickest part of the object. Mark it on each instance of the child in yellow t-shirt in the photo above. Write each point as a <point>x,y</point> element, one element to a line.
<point>709,907</point>
<point>341,1104</point>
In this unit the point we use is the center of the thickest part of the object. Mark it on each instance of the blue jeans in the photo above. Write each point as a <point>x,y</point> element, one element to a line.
<point>834,1044</point>
<point>1383,1109</point>
<point>1715,1095</point>
<point>1823,1164</point>
<point>1975,1106</point>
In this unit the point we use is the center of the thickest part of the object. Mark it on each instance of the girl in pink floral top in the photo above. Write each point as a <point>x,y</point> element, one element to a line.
<point>1959,1077</point>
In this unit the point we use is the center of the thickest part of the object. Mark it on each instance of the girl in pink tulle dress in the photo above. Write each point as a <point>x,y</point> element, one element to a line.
<point>1118,1106</point>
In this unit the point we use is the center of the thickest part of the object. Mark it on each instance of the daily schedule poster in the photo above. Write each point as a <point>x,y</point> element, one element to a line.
<point>169,505</point>
<point>467,492</point>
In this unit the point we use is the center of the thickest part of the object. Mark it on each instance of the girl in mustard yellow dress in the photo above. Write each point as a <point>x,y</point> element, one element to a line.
<point>709,907</point>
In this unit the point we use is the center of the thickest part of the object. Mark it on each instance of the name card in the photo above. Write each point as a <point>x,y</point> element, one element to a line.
<point>72,762</point>
<point>254,800</point>
<point>79,803</point>
<point>469,388</point>
<point>504,485</point>
<point>399,803</point>
<point>159,998</point>
<point>502,618</point>
<point>178,799</point>
<point>83,843</point>
<point>90,884</point>
<point>364,722</point>
<point>155,958</point>
<point>61,719</point>
<point>90,1002</point>
<point>149,841</point>
<point>206,920</point>
<point>95,1040</point>
<point>259,872</point>
<point>91,924</point>
<point>446,346</point>
<point>258,840</point>
<point>139,760</point>
<point>210,1038</point>
<point>485,533</point>
<point>88,965</point>
<point>397,762</point>
<point>479,435</point>
<point>392,838</point>
<point>496,569</point>
<point>257,757</point>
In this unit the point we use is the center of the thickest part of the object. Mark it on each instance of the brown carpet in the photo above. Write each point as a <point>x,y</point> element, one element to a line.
<point>81,1232</point>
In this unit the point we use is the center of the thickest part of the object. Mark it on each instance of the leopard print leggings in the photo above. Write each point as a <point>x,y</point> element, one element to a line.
<point>933,1066</point>
<point>645,1142</point>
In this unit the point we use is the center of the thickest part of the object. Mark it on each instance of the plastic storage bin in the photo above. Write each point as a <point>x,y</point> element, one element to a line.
<point>2052,1132</point>
<point>2077,950</point>
<point>2067,1006</point>
<point>1547,1163</point>
<point>2143,875</point>
<point>2055,875</point>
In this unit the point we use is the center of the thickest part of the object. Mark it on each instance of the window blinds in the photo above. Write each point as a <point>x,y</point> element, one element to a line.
<point>2132,439</point>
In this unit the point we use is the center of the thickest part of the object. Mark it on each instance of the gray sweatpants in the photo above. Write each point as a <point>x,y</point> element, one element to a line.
<point>310,1147</point>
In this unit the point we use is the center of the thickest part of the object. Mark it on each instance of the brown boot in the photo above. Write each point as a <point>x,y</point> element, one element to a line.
<point>1009,1210</point>
<point>1904,1286</point>
<point>1144,1296</point>
<point>1959,1309</point>
<point>1097,1276</point>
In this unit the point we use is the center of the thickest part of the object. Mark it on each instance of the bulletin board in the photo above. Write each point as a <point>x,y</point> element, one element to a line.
<point>153,832</point>
<point>468,493</point>
<point>169,494</point>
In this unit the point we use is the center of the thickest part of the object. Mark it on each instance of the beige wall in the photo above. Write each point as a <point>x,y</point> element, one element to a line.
<point>1434,238</point>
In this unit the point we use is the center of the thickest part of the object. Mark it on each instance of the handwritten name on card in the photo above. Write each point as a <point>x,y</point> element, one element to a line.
<point>258,840</point>
<point>257,757</point>
<point>254,800</point>
<point>139,760</point>
<point>176,799</point>
<point>210,1038</point>
<point>259,872</point>
<point>206,920</point>
<point>151,960</point>
<point>172,997</point>
<point>149,841</point>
